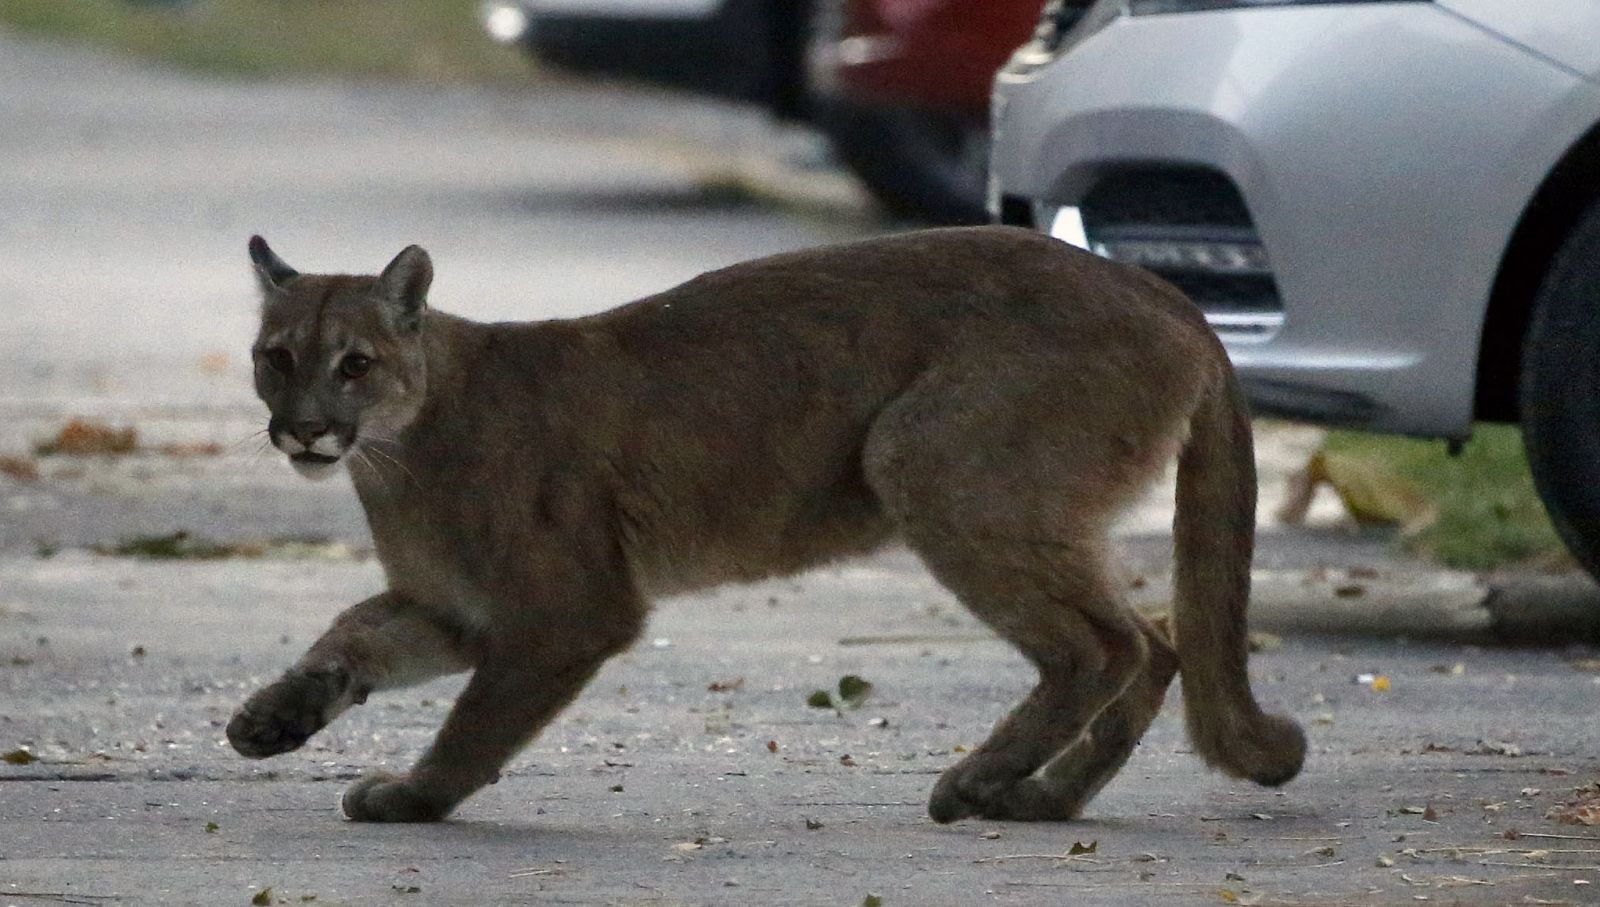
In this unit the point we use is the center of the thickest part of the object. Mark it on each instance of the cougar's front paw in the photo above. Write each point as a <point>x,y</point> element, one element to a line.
<point>390,798</point>
<point>281,717</point>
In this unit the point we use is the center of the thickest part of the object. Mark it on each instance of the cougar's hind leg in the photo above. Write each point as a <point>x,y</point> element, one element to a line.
<point>1073,778</point>
<point>383,642</point>
<point>1007,504</point>
<point>1086,654</point>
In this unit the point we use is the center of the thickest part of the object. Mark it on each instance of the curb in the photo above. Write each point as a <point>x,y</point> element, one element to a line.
<point>1537,608</point>
<point>1445,605</point>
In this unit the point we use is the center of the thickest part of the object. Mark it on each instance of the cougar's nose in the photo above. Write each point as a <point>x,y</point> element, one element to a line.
<point>307,432</point>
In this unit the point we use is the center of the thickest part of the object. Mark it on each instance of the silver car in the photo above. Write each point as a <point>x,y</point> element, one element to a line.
<point>1386,209</point>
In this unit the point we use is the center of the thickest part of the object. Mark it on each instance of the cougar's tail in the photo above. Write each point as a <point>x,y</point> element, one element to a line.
<point>1214,537</point>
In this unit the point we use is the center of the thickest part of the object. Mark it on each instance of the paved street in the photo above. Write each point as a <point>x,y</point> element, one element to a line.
<point>692,771</point>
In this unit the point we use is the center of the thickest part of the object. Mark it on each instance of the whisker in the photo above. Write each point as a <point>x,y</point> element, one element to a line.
<point>378,452</point>
<point>236,445</point>
<point>369,443</point>
<point>367,463</point>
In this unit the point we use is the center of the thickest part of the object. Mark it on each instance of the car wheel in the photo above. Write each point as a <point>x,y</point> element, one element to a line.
<point>1560,393</point>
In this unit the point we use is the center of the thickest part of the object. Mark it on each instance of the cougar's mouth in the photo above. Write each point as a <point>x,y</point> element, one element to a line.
<point>312,465</point>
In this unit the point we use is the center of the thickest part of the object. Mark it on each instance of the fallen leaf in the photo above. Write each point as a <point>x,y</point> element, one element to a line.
<point>185,450</point>
<point>1227,896</point>
<point>211,828</point>
<point>820,699</point>
<point>262,897</point>
<point>22,469</point>
<point>174,546</point>
<point>19,757</point>
<point>872,900</point>
<point>853,690</point>
<point>1582,808</point>
<point>1380,684</point>
<point>1350,590</point>
<point>1372,493</point>
<point>1079,848</point>
<point>1430,814</point>
<point>772,746</point>
<point>82,437</point>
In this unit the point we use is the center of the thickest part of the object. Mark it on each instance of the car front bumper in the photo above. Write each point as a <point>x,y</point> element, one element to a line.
<point>1381,154</point>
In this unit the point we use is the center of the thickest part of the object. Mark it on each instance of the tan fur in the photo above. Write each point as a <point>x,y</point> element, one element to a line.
<point>990,397</point>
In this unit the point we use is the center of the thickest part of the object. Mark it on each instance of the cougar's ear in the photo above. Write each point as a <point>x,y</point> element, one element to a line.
<point>271,271</point>
<point>405,284</point>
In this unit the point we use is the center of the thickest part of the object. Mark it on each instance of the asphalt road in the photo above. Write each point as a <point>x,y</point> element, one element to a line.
<point>691,771</point>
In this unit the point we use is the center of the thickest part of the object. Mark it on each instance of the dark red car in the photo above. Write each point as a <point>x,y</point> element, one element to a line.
<point>900,87</point>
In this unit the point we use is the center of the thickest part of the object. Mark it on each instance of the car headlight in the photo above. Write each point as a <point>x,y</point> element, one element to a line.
<point>1065,24</point>
<point>1156,7</point>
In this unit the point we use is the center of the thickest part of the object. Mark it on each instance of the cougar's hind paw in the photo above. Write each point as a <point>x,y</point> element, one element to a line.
<point>976,786</point>
<point>390,798</point>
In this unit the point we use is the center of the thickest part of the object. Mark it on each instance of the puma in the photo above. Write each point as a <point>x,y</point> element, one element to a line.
<point>989,397</point>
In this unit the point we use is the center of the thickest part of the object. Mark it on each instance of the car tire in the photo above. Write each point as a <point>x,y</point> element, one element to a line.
<point>1560,392</point>
<point>921,164</point>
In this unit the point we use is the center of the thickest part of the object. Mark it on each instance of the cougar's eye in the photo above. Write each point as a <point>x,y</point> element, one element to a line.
<point>280,360</point>
<point>354,365</point>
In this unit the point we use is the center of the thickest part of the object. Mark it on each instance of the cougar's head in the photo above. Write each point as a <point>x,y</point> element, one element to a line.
<point>339,360</point>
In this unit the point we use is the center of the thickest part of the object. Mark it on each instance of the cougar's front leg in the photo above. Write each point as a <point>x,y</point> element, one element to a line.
<point>381,643</point>
<point>525,676</point>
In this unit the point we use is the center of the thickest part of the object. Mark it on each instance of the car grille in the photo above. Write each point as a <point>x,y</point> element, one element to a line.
<point>1189,225</point>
